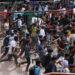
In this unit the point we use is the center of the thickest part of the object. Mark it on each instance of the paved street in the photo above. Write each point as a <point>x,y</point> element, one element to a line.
<point>9,68</point>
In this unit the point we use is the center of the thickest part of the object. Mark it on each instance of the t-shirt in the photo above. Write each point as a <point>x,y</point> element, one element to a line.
<point>34,30</point>
<point>6,41</point>
<point>19,23</point>
<point>40,8</point>
<point>5,10</point>
<point>60,59</point>
<point>64,12</point>
<point>23,9</point>
<point>70,6</point>
<point>40,21</point>
<point>6,26</point>
<point>48,37</point>
<point>15,16</point>
<point>10,31</point>
<point>37,70</point>
<point>69,33</point>
<point>46,8</point>
<point>40,48</point>
<point>51,67</point>
<point>42,32</point>
<point>72,37</point>
<point>64,64</point>
<point>23,42</point>
<point>73,10</point>
<point>13,44</point>
<point>11,38</point>
<point>34,19</point>
<point>27,50</point>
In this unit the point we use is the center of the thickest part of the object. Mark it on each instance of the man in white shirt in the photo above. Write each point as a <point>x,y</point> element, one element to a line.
<point>6,45</point>
<point>40,8</point>
<point>23,8</point>
<point>60,60</point>
<point>74,11</point>
<point>11,37</point>
<point>42,31</point>
<point>39,21</point>
<point>63,10</point>
<point>34,19</point>
<point>12,51</point>
<point>65,63</point>
<point>19,22</point>
<point>12,44</point>
<point>72,37</point>
<point>6,9</point>
<point>46,8</point>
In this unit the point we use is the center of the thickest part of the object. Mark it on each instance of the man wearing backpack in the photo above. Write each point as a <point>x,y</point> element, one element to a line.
<point>35,70</point>
<point>11,51</point>
<point>6,45</point>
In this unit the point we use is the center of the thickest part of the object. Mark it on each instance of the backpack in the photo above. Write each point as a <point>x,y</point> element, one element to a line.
<point>6,41</point>
<point>32,70</point>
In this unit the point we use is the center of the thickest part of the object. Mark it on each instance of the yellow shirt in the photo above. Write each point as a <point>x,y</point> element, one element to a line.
<point>69,33</point>
<point>34,29</point>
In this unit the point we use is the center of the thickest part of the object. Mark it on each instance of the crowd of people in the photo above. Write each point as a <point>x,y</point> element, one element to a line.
<point>48,36</point>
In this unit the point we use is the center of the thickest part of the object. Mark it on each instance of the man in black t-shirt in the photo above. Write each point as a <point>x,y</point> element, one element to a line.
<point>51,67</point>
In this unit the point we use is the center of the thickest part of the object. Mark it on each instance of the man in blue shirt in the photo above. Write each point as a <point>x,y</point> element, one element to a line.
<point>43,53</point>
<point>70,6</point>
<point>51,67</point>
<point>41,49</point>
<point>37,69</point>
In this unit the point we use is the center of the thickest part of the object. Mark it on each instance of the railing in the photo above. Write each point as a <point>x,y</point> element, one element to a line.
<point>4,15</point>
<point>60,12</point>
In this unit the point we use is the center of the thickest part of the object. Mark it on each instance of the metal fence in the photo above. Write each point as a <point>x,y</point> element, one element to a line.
<point>30,14</point>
